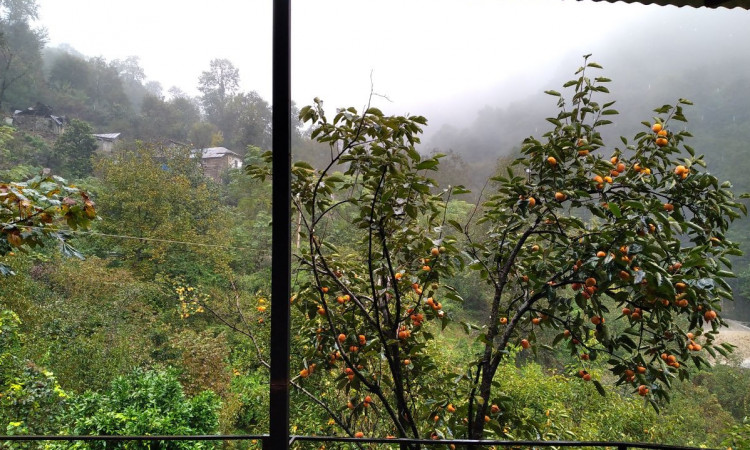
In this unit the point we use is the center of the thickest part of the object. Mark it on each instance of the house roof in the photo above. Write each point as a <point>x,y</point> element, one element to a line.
<point>744,4</point>
<point>215,152</point>
<point>107,136</point>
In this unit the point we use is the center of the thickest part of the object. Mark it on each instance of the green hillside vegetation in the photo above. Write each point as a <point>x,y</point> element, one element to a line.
<point>134,290</point>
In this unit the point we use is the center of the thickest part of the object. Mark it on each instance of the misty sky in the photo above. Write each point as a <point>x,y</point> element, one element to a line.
<point>424,55</point>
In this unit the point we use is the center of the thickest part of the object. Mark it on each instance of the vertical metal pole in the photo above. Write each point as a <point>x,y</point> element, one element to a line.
<point>281,263</point>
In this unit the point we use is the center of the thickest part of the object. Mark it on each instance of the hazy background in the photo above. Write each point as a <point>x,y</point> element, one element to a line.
<point>428,57</point>
<point>476,69</point>
<point>446,60</point>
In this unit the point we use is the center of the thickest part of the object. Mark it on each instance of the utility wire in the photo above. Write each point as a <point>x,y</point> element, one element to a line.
<point>136,238</point>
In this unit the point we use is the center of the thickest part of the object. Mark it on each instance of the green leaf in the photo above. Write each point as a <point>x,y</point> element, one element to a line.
<point>427,164</point>
<point>615,210</point>
<point>456,225</point>
<point>600,388</point>
<point>554,93</point>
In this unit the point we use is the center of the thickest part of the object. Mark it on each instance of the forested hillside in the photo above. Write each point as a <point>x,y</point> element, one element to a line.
<point>482,284</point>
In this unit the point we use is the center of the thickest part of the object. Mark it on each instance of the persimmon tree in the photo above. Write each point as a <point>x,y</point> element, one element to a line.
<point>362,306</point>
<point>40,210</point>
<point>579,235</point>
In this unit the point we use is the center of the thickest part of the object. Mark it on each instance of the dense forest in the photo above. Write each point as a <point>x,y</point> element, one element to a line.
<point>134,288</point>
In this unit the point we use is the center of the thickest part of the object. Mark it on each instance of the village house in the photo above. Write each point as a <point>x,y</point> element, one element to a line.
<point>106,141</point>
<point>38,119</point>
<point>216,160</point>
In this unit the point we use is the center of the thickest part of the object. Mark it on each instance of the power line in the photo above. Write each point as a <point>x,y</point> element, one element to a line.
<point>136,238</point>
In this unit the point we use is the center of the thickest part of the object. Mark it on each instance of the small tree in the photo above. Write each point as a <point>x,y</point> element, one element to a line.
<point>74,148</point>
<point>362,306</point>
<point>577,237</point>
<point>571,241</point>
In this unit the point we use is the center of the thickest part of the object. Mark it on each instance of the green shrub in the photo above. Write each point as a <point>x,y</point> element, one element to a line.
<point>144,403</point>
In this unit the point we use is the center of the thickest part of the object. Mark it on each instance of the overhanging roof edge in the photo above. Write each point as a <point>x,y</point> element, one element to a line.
<point>729,4</point>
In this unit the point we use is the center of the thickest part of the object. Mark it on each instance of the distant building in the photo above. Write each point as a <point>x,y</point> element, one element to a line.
<point>107,141</point>
<point>38,119</point>
<point>216,160</point>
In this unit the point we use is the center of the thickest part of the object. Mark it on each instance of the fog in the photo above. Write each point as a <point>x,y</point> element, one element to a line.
<point>446,60</point>
<point>427,57</point>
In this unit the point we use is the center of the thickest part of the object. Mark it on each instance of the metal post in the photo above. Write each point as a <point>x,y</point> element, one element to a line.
<point>281,234</point>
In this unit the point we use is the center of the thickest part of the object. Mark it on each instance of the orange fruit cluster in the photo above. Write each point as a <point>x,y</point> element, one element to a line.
<point>682,172</point>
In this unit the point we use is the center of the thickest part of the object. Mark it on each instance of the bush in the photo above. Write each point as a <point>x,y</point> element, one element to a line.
<point>143,403</point>
<point>731,385</point>
<point>31,400</point>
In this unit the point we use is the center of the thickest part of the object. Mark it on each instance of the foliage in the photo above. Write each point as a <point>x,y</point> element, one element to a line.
<point>172,119</point>
<point>730,385</point>
<point>176,206</point>
<point>75,148</point>
<point>39,209</point>
<point>23,154</point>
<point>642,229</point>
<point>86,344</point>
<point>31,400</point>
<point>249,393</point>
<point>20,52</point>
<point>204,359</point>
<point>361,309</point>
<point>738,436</point>
<point>143,403</point>
<point>575,237</point>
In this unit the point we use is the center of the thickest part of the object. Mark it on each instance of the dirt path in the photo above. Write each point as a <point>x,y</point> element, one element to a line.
<point>737,334</point>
